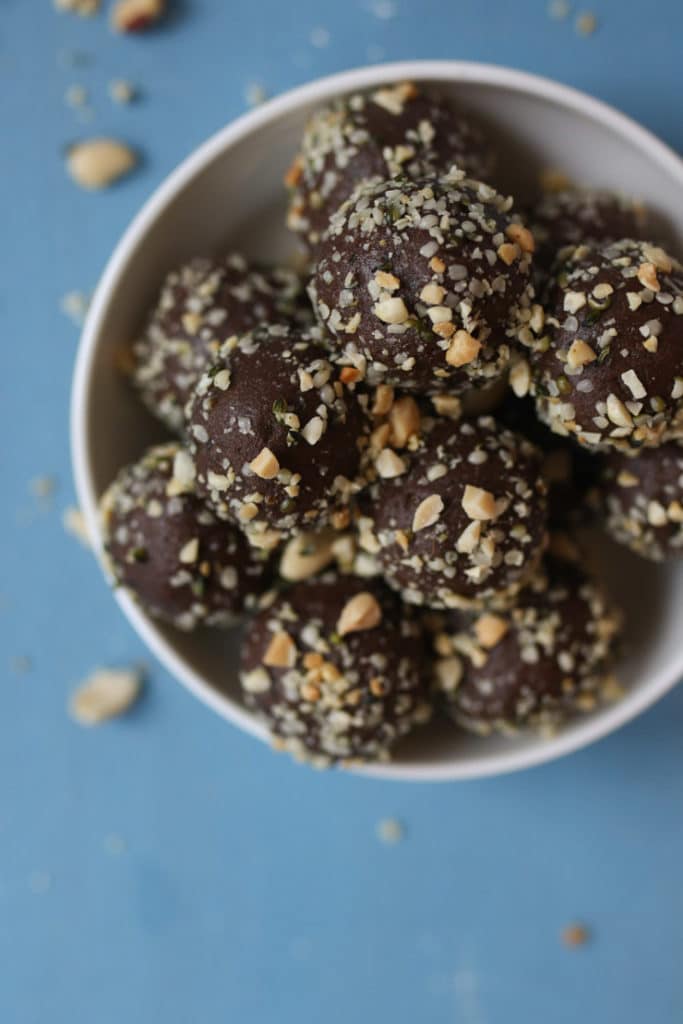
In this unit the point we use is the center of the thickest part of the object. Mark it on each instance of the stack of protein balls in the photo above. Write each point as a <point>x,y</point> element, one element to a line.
<point>383,464</point>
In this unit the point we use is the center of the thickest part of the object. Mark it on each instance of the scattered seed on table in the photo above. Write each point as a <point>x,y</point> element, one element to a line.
<point>255,94</point>
<point>85,8</point>
<point>122,91</point>
<point>75,306</point>
<point>73,522</point>
<point>43,486</point>
<point>586,24</point>
<point>575,935</point>
<point>106,693</point>
<point>97,163</point>
<point>390,831</point>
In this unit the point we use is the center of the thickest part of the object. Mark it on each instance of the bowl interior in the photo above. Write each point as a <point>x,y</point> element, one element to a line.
<point>230,195</point>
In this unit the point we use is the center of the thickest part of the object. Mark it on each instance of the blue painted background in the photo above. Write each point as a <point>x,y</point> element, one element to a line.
<point>165,868</point>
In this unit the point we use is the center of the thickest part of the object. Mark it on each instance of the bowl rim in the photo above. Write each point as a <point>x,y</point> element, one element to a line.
<point>320,90</point>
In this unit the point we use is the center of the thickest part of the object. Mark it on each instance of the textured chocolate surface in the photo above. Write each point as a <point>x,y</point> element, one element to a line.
<point>642,500</point>
<point>201,305</point>
<point>423,284</point>
<point>394,131</point>
<point>181,563</point>
<point>535,664</point>
<point>327,694</point>
<point>276,437</point>
<point>607,363</point>
<point>577,215</point>
<point>464,522</point>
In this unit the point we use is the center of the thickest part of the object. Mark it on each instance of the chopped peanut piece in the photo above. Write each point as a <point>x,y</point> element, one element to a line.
<point>580,354</point>
<point>490,629</point>
<point>306,554</point>
<point>359,613</point>
<point>509,252</point>
<point>281,652</point>
<point>463,349</point>
<point>404,420</point>
<point>647,275</point>
<point>427,512</point>
<point>389,464</point>
<point>265,465</point>
<point>478,503</point>
<point>522,236</point>
<point>388,281</point>
<point>384,399</point>
<point>391,311</point>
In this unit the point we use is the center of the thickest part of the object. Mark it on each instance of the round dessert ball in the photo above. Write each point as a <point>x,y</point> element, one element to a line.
<point>577,215</point>
<point>182,564</point>
<point>461,519</point>
<point>277,438</point>
<point>201,305</point>
<point>395,131</point>
<point>336,667</point>
<point>570,472</point>
<point>607,363</point>
<point>545,658</point>
<point>643,500</point>
<point>423,284</point>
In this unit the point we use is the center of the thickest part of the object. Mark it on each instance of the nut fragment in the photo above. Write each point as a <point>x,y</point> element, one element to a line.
<point>97,163</point>
<point>469,538</point>
<point>490,629</point>
<point>388,281</point>
<point>391,311</point>
<point>136,15</point>
<point>404,420</point>
<point>265,465</point>
<point>448,673</point>
<point>349,375</point>
<point>306,554</point>
<point>522,236</point>
<point>85,8</point>
<point>617,412</point>
<point>389,464</point>
<point>105,694</point>
<point>384,399</point>
<point>659,257</point>
<point>281,652</point>
<point>647,275</point>
<point>189,552</point>
<point>509,252</point>
<point>478,503</point>
<point>427,512</point>
<point>463,349</point>
<point>520,378</point>
<point>432,294</point>
<point>361,612</point>
<point>579,354</point>
<point>575,935</point>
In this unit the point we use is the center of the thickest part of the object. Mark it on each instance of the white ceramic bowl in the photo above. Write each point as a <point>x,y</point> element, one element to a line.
<point>229,194</point>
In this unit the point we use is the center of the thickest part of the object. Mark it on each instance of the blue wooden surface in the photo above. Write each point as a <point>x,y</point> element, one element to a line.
<point>165,868</point>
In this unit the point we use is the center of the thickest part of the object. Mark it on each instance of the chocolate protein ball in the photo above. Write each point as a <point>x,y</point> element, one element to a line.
<point>460,519</point>
<point>545,658</point>
<point>201,305</point>
<point>276,436</point>
<point>423,284</point>
<point>570,472</point>
<point>336,667</point>
<point>607,362</point>
<point>577,215</point>
<point>642,498</point>
<point>395,131</point>
<point>181,563</point>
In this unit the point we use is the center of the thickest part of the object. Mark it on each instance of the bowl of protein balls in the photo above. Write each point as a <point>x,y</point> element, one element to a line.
<point>378,421</point>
